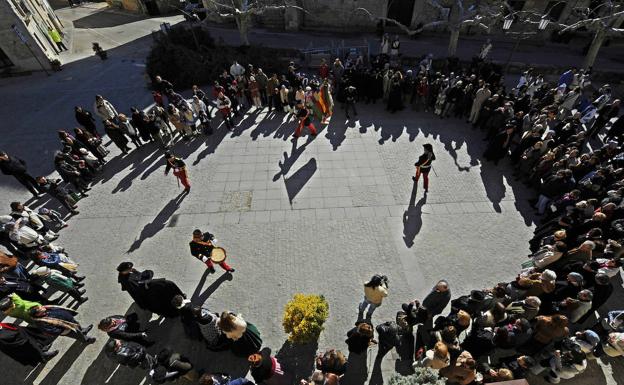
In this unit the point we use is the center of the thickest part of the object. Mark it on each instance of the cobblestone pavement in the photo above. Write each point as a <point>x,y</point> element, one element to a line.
<point>315,216</point>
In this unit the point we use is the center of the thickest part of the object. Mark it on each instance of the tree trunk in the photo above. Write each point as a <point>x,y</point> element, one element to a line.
<point>452,48</point>
<point>595,46</point>
<point>242,23</point>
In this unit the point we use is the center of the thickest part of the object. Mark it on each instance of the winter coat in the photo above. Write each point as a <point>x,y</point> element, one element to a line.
<point>375,295</point>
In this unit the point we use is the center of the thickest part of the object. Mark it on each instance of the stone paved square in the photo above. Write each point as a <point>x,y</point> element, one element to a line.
<point>313,216</point>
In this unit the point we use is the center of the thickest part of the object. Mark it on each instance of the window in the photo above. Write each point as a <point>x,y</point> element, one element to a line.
<point>40,43</point>
<point>5,62</point>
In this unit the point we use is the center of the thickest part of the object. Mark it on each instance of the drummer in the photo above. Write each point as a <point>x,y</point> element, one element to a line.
<point>201,248</point>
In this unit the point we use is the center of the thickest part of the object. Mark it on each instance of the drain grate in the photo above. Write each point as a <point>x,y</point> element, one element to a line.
<point>236,201</point>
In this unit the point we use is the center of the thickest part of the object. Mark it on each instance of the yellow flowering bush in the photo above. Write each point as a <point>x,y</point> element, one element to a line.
<point>304,317</point>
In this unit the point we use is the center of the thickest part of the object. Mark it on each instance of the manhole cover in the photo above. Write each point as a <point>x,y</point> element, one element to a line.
<point>236,201</point>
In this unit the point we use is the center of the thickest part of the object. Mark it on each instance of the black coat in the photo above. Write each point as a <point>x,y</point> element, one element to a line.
<point>356,342</point>
<point>86,120</point>
<point>13,166</point>
<point>436,301</point>
<point>24,344</point>
<point>150,294</point>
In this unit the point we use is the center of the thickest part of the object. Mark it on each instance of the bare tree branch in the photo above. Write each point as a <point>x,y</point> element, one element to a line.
<point>591,22</point>
<point>259,11</point>
<point>406,29</point>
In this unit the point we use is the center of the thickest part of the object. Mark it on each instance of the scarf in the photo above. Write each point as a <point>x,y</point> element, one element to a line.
<point>117,322</point>
<point>7,326</point>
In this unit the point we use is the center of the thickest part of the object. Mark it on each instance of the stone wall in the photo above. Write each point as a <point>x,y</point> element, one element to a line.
<point>32,19</point>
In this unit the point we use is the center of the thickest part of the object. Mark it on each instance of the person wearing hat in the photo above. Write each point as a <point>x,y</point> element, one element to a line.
<point>179,170</point>
<point>201,247</point>
<point>423,165</point>
<point>304,120</point>
<point>149,293</point>
<point>58,281</point>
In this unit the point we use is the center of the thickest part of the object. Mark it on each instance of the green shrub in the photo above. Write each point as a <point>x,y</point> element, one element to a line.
<point>423,376</point>
<point>176,58</point>
<point>304,317</point>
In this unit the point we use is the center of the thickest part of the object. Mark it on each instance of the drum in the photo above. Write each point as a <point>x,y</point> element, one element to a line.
<point>218,255</point>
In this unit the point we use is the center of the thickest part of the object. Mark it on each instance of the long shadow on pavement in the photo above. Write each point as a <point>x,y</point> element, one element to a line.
<point>412,217</point>
<point>159,222</point>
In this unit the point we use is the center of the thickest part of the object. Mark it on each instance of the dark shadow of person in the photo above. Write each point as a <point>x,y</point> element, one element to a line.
<point>138,167</point>
<point>336,133</point>
<point>289,160</point>
<point>297,359</point>
<point>412,217</point>
<point>387,132</point>
<point>200,298</point>
<point>159,222</point>
<point>357,369</point>
<point>493,183</point>
<point>64,363</point>
<point>285,129</point>
<point>299,179</point>
<point>212,143</point>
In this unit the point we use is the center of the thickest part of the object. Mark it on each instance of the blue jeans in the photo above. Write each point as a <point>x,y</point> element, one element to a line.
<point>371,308</point>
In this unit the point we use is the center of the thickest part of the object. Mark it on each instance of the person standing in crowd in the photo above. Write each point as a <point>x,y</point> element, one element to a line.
<point>375,291</point>
<point>28,346</point>
<point>152,294</point>
<point>58,281</point>
<point>423,165</point>
<point>224,105</point>
<point>303,114</point>
<point>58,321</point>
<point>15,167</point>
<point>125,328</point>
<point>201,248</point>
<point>104,109</point>
<point>59,192</point>
<point>350,95</point>
<point>179,170</point>
<point>128,129</point>
<point>86,120</point>
<point>129,354</point>
<point>116,134</point>
<point>57,39</point>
